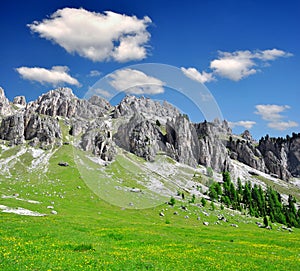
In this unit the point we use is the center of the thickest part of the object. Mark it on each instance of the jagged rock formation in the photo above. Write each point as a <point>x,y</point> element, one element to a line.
<point>282,156</point>
<point>143,127</point>
<point>212,138</point>
<point>98,139</point>
<point>20,101</point>
<point>294,155</point>
<point>12,129</point>
<point>42,130</point>
<point>247,153</point>
<point>62,102</point>
<point>140,137</point>
<point>5,108</point>
<point>182,136</point>
<point>149,108</point>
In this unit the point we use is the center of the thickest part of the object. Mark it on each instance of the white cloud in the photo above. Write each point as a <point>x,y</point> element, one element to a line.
<point>94,73</point>
<point>247,124</point>
<point>96,36</point>
<point>136,82</point>
<point>56,76</point>
<point>271,54</point>
<point>194,74</point>
<point>234,66</point>
<point>283,125</point>
<point>240,64</point>
<point>273,114</point>
<point>102,92</point>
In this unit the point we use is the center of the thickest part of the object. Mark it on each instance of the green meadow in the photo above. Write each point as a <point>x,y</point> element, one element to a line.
<point>90,233</point>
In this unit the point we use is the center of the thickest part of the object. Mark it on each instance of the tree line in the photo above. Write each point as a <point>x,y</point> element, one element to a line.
<point>258,203</point>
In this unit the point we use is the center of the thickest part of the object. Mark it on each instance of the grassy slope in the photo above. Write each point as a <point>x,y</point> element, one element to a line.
<point>90,234</point>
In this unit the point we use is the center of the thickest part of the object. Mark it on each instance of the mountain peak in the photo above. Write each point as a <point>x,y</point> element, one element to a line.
<point>5,108</point>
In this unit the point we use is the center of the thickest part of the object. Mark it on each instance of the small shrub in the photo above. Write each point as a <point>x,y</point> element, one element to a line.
<point>172,201</point>
<point>192,200</point>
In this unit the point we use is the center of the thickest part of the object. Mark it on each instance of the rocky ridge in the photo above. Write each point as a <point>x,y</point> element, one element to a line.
<point>143,127</point>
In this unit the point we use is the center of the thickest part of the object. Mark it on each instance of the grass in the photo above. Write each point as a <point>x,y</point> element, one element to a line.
<point>88,233</point>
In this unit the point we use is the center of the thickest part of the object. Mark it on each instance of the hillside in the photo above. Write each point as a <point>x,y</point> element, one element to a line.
<point>85,186</point>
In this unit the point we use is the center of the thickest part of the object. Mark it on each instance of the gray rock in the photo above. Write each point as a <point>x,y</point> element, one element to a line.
<point>182,135</point>
<point>213,152</point>
<point>98,139</point>
<point>12,129</point>
<point>131,105</point>
<point>205,223</point>
<point>247,136</point>
<point>140,137</point>
<point>63,164</point>
<point>45,128</point>
<point>246,153</point>
<point>62,102</point>
<point>5,108</point>
<point>135,190</point>
<point>20,101</point>
<point>276,155</point>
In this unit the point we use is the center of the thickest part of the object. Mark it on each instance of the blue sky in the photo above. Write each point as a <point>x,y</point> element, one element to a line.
<point>246,53</point>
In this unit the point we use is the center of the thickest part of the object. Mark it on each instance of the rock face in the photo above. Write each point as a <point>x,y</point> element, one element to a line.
<point>20,101</point>
<point>143,127</point>
<point>12,129</point>
<point>213,152</point>
<point>294,155</point>
<point>247,153</point>
<point>282,156</point>
<point>43,130</point>
<point>277,156</point>
<point>182,136</point>
<point>140,137</point>
<point>5,108</point>
<point>98,139</point>
<point>149,108</point>
<point>62,102</point>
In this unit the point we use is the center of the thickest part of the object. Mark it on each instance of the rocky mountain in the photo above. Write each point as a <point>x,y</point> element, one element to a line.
<point>5,108</point>
<point>143,127</point>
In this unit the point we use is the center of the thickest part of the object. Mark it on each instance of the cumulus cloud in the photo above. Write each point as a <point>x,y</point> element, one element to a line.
<point>57,75</point>
<point>102,92</point>
<point>194,74</point>
<point>271,54</point>
<point>94,73</point>
<point>273,114</point>
<point>136,82</point>
<point>240,64</point>
<point>283,125</point>
<point>247,124</point>
<point>96,36</point>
